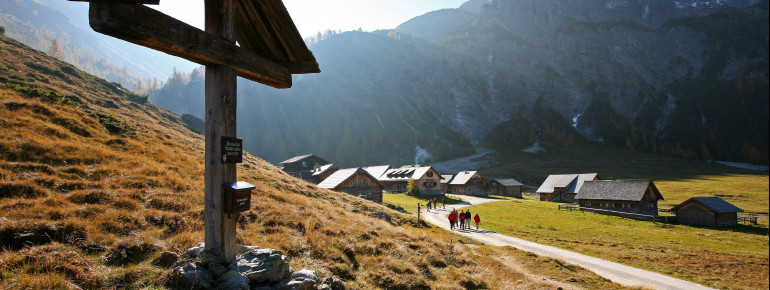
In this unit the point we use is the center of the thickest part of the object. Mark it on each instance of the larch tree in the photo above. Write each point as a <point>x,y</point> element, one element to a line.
<point>54,49</point>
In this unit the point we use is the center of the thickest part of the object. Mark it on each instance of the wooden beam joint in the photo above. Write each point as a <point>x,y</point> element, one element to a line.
<point>147,27</point>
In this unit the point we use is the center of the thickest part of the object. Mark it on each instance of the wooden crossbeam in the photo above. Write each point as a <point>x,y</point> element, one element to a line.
<point>147,27</point>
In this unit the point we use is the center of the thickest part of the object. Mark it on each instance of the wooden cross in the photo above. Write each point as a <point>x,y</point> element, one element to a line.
<point>270,50</point>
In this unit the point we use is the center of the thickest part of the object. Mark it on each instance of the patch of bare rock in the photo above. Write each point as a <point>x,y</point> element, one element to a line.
<point>254,268</point>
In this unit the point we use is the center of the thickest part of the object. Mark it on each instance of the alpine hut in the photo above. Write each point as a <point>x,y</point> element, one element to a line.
<point>504,187</point>
<point>563,187</point>
<point>468,182</point>
<point>355,181</point>
<point>638,196</point>
<point>707,211</point>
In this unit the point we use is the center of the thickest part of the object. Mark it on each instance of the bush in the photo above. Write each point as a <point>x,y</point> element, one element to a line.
<point>2,30</point>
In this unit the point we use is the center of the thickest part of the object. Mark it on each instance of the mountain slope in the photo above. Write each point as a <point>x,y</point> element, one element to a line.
<point>37,23</point>
<point>96,183</point>
<point>657,76</point>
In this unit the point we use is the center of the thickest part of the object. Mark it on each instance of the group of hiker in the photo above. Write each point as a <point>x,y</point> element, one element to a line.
<point>462,220</point>
<point>433,203</point>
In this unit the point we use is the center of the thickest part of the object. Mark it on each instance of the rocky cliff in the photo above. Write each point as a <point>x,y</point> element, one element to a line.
<point>682,78</point>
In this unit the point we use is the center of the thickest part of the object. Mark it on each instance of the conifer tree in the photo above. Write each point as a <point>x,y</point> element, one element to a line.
<point>54,50</point>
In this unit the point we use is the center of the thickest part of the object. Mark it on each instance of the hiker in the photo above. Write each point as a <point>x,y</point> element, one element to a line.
<point>443,203</point>
<point>435,204</point>
<point>477,219</point>
<point>451,220</point>
<point>428,205</point>
<point>468,217</point>
<point>462,220</point>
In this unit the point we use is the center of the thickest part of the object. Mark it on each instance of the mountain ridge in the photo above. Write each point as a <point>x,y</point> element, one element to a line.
<point>630,73</point>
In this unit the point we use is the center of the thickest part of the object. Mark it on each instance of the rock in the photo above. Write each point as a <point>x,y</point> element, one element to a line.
<point>193,252</point>
<point>380,215</point>
<point>296,284</point>
<point>167,259</point>
<point>233,280</point>
<point>263,266</point>
<point>332,283</point>
<point>243,249</point>
<point>191,276</point>
<point>211,257</point>
<point>355,209</point>
<point>217,269</point>
<point>305,274</point>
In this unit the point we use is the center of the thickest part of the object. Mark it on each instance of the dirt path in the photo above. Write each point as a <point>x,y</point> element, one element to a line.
<point>618,273</point>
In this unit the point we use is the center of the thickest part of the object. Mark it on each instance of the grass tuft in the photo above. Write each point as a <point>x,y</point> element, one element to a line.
<point>23,189</point>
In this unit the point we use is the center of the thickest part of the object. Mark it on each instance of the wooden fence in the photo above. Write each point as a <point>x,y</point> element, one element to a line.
<point>636,216</point>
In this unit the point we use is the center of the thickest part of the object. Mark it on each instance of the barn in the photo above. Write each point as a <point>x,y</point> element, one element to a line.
<point>707,211</point>
<point>564,187</point>
<point>638,196</point>
<point>504,187</point>
<point>355,181</point>
<point>468,182</point>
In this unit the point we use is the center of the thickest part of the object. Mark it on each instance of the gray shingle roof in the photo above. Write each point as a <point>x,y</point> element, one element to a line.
<point>572,182</point>
<point>296,158</point>
<point>446,178</point>
<point>342,175</point>
<point>321,170</point>
<point>377,171</point>
<point>404,173</point>
<point>463,177</point>
<point>715,204</point>
<point>620,189</point>
<point>508,181</point>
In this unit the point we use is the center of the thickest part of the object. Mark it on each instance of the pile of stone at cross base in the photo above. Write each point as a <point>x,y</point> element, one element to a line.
<point>253,268</point>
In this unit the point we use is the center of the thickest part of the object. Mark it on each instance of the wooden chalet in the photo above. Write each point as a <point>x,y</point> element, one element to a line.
<point>303,166</point>
<point>563,187</point>
<point>504,187</point>
<point>355,181</point>
<point>468,183</point>
<point>639,196</point>
<point>427,179</point>
<point>707,211</point>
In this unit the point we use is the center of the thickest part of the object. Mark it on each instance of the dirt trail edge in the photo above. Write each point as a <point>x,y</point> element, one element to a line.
<point>618,273</point>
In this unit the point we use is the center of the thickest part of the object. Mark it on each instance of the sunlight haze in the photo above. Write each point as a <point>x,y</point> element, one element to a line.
<point>313,16</point>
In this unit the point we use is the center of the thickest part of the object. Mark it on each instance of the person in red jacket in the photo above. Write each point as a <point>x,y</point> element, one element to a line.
<point>462,220</point>
<point>451,220</point>
<point>477,219</point>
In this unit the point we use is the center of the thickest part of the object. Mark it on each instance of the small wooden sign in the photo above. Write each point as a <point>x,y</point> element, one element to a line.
<point>237,196</point>
<point>232,150</point>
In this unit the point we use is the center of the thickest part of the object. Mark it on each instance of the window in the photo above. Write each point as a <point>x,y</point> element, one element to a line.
<point>304,163</point>
<point>430,173</point>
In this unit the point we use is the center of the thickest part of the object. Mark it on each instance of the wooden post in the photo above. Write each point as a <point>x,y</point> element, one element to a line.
<point>418,212</point>
<point>220,121</point>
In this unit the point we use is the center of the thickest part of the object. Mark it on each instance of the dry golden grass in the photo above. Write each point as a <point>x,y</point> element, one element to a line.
<point>95,184</point>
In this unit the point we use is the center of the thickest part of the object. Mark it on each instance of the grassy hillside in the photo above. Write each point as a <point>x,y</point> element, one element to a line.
<point>96,183</point>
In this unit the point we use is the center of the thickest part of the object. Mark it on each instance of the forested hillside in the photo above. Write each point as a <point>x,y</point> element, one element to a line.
<point>657,76</point>
<point>61,29</point>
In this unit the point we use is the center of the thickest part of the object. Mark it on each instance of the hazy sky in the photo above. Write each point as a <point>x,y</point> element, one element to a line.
<point>312,16</point>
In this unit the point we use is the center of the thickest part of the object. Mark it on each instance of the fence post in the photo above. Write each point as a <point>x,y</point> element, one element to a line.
<point>418,212</point>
